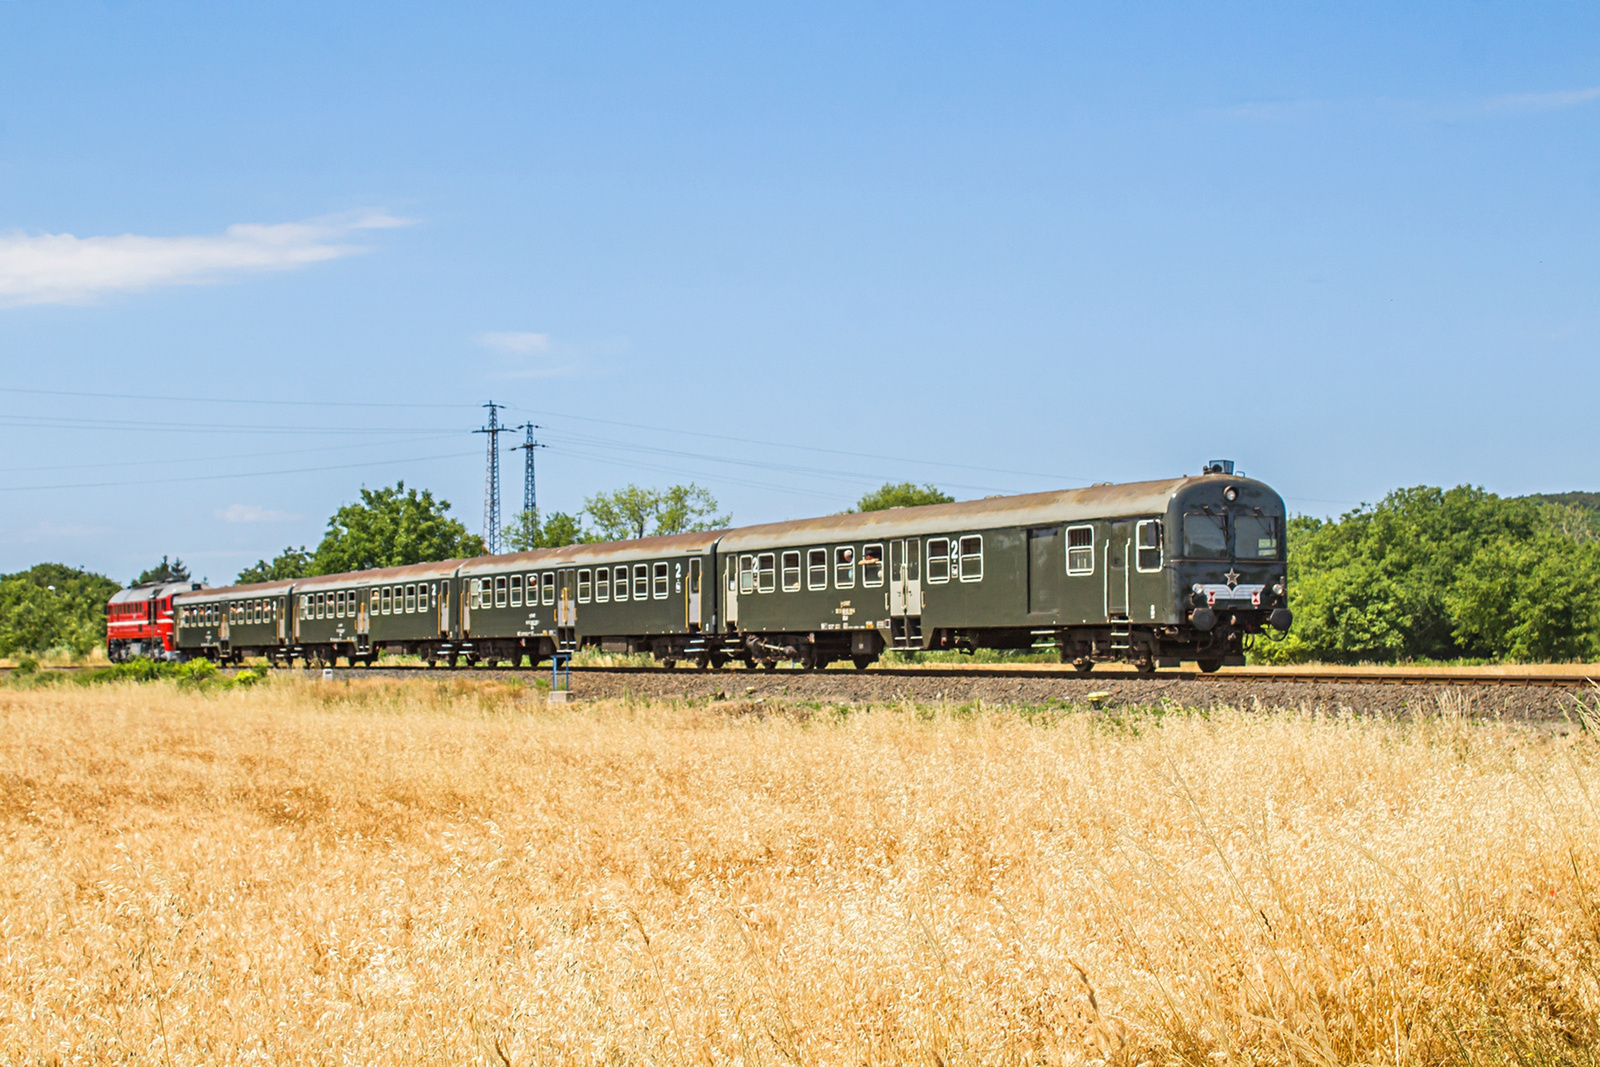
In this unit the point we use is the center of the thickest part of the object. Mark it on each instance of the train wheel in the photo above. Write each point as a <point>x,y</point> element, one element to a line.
<point>1211,666</point>
<point>863,662</point>
<point>702,661</point>
<point>1145,666</point>
<point>1083,664</point>
<point>769,664</point>
<point>669,664</point>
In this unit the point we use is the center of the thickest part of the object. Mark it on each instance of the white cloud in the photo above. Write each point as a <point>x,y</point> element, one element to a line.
<point>254,513</point>
<point>516,341</point>
<point>1542,101</point>
<point>59,268</point>
<point>525,354</point>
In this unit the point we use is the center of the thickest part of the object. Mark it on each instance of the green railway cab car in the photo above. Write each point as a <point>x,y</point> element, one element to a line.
<point>226,625</point>
<point>648,595</point>
<point>1148,572</point>
<point>406,610</point>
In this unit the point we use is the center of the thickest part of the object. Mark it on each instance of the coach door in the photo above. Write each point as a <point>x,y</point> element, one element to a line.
<point>692,595</point>
<point>730,566</point>
<point>566,599</point>
<point>1118,543</point>
<point>905,592</point>
<point>1046,573</point>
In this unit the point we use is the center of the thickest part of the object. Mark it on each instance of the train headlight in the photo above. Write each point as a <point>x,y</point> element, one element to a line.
<point>1277,590</point>
<point>1231,494</point>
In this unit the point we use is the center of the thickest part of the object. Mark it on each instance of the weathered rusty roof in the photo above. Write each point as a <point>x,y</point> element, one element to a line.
<point>603,552</point>
<point>1031,509</point>
<point>233,592</point>
<point>445,568</point>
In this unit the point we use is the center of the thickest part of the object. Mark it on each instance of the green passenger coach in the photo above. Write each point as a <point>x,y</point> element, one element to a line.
<point>1149,573</point>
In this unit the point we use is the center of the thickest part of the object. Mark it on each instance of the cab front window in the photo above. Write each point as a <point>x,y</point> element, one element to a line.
<point>1205,536</point>
<point>1256,537</point>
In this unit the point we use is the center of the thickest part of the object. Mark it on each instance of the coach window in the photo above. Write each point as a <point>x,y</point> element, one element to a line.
<point>1205,536</point>
<point>383,601</point>
<point>747,574</point>
<point>816,568</point>
<point>500,591</point>
<point>938,560</point>
<point>411,599</point>
<point>516,590</point>
<point>619,584</point>
<point>322,605</point>
<point>972,559</point>
<point>1147,539</point>
<point>602,585</point>
<point>585,584</point>
<point>1080,549</point>
<point>844,567</point>
<point>872,565</point>
<point>1255,536</point>
<point>765,572</point>
<point>641,582</point>
<point>791,571</point>
<point>658,580</point>
<point>548,584</point>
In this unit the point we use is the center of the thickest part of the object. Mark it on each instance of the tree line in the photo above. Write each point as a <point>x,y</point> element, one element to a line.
<point>1424,574</point>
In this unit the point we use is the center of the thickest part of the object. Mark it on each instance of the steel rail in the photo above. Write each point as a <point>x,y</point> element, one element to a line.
<point>1317,676</point>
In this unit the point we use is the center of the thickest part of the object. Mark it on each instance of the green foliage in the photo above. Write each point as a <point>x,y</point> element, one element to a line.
<point>1443,574</point>
<point>290,563</point>
<point>633,512</point>
<point>52,606</point>
<point>527,532</point>
<point>392,527</point>
<point>27,665</point>
<point>902,495</point>
<point>164,572</point>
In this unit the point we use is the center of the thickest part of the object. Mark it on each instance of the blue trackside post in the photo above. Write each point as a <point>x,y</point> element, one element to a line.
<point>561,672</point>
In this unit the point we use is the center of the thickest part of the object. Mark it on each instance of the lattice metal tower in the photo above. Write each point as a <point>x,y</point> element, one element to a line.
<point>491,481</point>
<point>530,498</point>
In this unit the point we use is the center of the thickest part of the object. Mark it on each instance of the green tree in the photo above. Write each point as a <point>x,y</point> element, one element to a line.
<point>1441,574</point>
<point>290,563</point>
<point>633,512</point>
<point>164,572</point>
<point>52,606</point>
<point>392,527</point>
<point>902,495</point>
<point>527,532</point>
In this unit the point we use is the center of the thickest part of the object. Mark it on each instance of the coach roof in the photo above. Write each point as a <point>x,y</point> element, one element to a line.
<point>1031,509</point>
<point>237,592</point>
<point>686,544</point>
<point>413,572</point>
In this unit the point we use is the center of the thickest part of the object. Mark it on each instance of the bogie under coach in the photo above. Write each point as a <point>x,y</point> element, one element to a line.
<point>1149,573</point>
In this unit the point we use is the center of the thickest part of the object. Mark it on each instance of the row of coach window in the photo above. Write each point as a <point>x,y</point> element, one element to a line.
<point>387,600</point>
<point>641,581</point>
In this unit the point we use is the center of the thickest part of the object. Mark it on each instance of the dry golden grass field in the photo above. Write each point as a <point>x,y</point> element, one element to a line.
<point>376,872</point>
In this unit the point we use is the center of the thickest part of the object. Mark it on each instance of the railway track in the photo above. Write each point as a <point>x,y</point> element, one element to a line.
<point>1568,678</point>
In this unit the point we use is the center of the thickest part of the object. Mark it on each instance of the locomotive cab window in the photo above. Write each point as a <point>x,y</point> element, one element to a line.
<point>1205,536</point>
<point>658,580</point>
<point>972,559</point>
<point>844,567</point>
<point>872,565</point>
<point>791,571</point>
<point>764,572</point>
<point>1080,549</point>
<point>1147,539</point>
<point>585,585</point>
<point>817,568</point>
<point>938,560</point>
<point>1256,537</point>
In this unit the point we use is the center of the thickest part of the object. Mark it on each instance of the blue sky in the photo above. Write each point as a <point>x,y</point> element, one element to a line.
<point>788,253</point>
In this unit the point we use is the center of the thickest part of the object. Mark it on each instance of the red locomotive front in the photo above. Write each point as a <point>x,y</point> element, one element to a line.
<point>139,621</point>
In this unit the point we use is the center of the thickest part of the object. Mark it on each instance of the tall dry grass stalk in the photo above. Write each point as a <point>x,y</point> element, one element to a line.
<point>380,872</point>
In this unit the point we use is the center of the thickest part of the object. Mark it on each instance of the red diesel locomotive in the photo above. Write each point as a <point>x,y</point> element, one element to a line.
<point>139,621</point>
